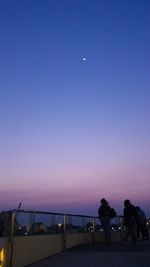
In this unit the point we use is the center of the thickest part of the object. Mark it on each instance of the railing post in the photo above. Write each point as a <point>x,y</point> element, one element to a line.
<point>83,224</point>
<point>11,239</point>
<point>64,224</point>
<point>64,232</point>
<point>93,233</point>
<point>93,224</point>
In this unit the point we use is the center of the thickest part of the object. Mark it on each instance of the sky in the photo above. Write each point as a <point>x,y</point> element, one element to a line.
<point>73,131</point>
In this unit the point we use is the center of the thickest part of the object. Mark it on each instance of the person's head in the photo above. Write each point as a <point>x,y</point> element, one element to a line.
<point>104,201</point>
<point>127,203</point>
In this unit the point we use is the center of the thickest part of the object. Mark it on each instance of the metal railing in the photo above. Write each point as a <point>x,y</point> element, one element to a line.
<point>28,223</point>
<point>39,222</point>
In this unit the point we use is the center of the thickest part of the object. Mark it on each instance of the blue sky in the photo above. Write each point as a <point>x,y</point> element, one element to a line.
<point>73,131</point>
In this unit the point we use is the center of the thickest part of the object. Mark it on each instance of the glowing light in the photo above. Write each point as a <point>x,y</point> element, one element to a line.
<point>84,59</point>
<point>2,257</point>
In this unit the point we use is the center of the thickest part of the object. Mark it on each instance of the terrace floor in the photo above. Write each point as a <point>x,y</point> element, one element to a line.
<point>101,255</point>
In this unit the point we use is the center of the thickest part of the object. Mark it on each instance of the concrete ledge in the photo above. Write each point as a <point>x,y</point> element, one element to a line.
<point>30,249</point>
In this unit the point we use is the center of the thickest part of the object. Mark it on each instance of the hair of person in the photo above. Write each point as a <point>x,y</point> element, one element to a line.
<point>127,202</point>
<point>104,201</point>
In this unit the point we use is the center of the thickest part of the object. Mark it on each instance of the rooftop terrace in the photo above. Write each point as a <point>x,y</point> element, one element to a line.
<point>44,239</point>
<point>101,255</point>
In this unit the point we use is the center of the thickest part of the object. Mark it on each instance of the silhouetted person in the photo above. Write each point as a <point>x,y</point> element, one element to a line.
<point>141,226</point>
<point>105,216</point>
<point>130,221</point>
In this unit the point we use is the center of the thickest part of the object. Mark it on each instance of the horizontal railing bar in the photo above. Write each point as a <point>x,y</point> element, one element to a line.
<point>56,213</point>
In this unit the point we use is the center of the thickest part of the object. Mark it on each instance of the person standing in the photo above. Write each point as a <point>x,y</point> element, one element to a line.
<point>105,213</point>
<point>141,226</point>
<point>130,221</point>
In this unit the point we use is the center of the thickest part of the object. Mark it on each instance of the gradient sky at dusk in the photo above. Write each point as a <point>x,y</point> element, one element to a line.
<point>74,131</point>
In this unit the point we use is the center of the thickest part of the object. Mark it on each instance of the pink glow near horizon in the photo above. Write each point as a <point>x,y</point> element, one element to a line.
<point>78,190</point>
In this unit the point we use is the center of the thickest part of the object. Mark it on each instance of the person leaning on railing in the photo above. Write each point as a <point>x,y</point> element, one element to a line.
<point>130,221</point>
<point>106,213</point>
